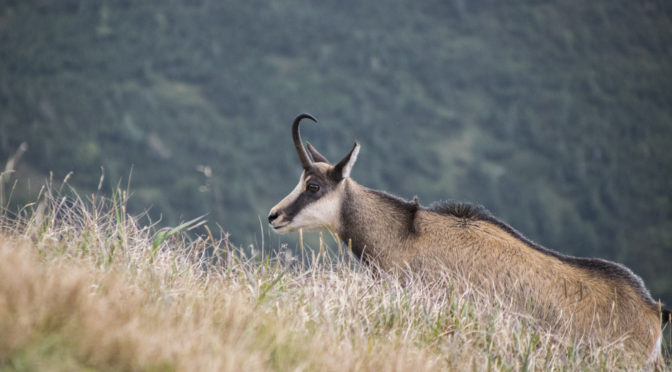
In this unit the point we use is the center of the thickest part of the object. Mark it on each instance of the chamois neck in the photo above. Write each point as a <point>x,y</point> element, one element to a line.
<point>374,223</point>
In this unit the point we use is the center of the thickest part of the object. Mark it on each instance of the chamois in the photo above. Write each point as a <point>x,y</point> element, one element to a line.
<point>604,300</point>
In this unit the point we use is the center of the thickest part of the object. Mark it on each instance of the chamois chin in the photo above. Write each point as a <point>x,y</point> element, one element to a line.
<point>604,301</point>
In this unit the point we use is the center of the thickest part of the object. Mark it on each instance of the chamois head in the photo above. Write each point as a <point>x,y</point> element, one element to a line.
<point>316,200</point>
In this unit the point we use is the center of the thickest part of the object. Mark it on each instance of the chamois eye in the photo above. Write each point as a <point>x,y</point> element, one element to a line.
<point>312,187</point>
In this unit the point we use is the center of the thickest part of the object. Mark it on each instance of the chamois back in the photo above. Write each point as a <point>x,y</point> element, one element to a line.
<point>607,270</point>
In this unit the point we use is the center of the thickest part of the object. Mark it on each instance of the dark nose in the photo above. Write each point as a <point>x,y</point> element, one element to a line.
<point>272,217</point>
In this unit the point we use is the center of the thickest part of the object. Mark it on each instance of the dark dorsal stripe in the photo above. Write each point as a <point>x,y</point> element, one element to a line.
<point>476,212</point>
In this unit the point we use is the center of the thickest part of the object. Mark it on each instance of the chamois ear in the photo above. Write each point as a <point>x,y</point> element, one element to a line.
<point>317,157</point>
<point>345,165</point>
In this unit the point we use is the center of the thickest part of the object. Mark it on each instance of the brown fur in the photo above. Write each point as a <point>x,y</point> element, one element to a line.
<point>603,301</point>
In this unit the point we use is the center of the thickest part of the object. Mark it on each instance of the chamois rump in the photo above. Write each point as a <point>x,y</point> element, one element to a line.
<point>603,300</point>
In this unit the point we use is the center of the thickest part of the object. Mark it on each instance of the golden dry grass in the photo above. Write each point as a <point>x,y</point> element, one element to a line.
<point>84,287</point>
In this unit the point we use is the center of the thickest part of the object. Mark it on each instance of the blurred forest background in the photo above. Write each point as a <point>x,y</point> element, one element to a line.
<point>555,115</point>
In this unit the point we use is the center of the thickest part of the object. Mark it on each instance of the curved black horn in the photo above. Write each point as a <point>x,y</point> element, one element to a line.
<point>303,155</point>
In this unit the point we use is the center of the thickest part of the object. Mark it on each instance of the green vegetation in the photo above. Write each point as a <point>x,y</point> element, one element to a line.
<point>83,288</point>
<point>557,116</point>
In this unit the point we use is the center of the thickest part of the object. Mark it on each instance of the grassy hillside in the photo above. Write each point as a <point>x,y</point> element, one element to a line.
<point>557,116</point>
<point>84,287</point>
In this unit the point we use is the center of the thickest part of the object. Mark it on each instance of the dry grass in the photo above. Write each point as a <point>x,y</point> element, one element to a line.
<point>84,287</point>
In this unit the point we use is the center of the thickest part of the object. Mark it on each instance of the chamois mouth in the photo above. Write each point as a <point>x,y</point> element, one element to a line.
<point>280,228</point>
